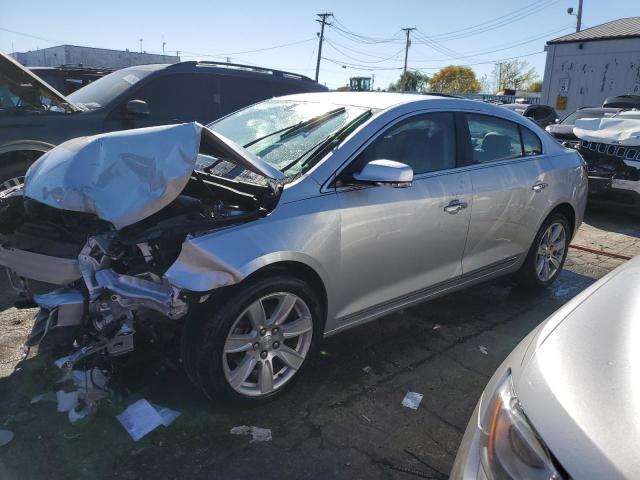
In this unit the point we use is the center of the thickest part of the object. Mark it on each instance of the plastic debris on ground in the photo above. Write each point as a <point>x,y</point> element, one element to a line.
<point>367,369</point>
<point>437,327</point>
<point>80,393</point>
<point>483,350</point>
<point>5,437</point>
<point>412,400</point>
<point>142,417</point>
<point>42,397</point>
<point>257,434</point>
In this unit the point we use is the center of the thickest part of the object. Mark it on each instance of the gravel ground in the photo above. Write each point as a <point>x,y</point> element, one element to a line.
<point>343,419</point>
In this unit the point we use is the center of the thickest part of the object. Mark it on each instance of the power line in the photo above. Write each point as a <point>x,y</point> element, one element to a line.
<point>382,59</point>
<point>192,54</point>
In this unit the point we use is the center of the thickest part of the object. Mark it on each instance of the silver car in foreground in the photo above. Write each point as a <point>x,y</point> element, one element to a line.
<point>290,220</point>
<point>565,403</point>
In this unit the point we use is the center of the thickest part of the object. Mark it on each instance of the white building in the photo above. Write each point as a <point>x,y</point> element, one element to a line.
<point>585,67</point>
<point>89,57</point>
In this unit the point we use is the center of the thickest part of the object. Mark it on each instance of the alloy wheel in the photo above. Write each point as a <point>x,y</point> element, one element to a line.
<point>551,251</point>
<point>10,183</point>
<point>267,344</point>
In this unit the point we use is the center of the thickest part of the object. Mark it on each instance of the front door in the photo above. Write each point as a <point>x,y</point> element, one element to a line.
<point>398,241</point>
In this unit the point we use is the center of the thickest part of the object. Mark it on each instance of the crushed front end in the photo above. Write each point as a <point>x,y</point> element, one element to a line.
<point>614,173</point>
<point>89,237</point>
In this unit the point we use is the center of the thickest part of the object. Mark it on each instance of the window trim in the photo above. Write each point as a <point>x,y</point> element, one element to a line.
<point>520,128</point>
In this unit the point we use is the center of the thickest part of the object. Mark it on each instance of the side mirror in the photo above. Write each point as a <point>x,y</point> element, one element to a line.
<point>385,173</point>
<point>556,121</point>
<point>137,108</point>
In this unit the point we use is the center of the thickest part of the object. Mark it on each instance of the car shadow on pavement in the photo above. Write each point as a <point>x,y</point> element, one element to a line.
<point>618,221</point>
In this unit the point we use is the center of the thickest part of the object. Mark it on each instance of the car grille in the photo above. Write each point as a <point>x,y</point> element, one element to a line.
<point>619,151</point>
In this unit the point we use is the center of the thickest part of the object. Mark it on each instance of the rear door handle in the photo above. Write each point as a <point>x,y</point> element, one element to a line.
<point>538,187</point>
<point>455,206</point>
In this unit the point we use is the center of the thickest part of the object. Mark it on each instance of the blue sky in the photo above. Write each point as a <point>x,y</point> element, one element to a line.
<point>454,32</point>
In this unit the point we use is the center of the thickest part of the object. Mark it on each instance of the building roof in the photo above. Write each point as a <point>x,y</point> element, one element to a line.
<point>622,28</point>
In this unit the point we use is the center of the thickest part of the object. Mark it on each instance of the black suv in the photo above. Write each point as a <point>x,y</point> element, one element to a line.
<point>34,117</point>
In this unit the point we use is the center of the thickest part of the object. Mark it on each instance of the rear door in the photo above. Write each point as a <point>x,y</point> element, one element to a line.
<point>396,242</point>
<point>509,179</point>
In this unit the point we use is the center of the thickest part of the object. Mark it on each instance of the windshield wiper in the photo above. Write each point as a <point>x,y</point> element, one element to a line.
<point>304,125</point>
<point>330,141</point>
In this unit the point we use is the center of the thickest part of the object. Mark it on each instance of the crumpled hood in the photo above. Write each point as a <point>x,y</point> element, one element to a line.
<point>581,387</point>
<point>121,177</point>
<point>126,176</point>
<point>618,131</point>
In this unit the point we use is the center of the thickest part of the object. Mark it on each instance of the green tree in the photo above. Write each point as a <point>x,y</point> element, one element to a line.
<point>535,87</point>
<point>455,79</point>
<point>410,81</point>
<point>515,74</point>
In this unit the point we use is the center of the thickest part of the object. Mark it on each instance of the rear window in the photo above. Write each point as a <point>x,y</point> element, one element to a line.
<point>493,138</point>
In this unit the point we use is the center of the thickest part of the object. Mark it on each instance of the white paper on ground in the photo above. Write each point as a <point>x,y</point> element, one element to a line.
<point>483,350</point>
<point>168,415</point>
<point>66,400</point>
<point>257,434</point>
<point>412,400</point>
<point>5,436</point>
<point>140,418</point>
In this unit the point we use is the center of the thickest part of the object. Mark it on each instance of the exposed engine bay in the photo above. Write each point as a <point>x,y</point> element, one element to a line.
<point>611,149</point>
<point>86,262</point>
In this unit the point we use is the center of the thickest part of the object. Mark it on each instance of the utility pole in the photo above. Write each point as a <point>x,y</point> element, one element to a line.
<point>578,15</point>
<point>406,48</point>
<point>140,40</point>
<point>499,76</point>
<point>579,19</point>
<point>323,22</point>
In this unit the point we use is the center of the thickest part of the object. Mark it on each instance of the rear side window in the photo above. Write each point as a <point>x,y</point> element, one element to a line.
<point>493,138</point>
<point>530,142</point>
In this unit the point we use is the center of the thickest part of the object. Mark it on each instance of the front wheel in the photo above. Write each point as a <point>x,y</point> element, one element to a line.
<point>547,254</point>
<point>255,341</point>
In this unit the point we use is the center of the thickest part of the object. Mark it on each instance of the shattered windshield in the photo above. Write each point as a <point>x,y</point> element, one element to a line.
<point>281,131</point>
<point>99,93</point>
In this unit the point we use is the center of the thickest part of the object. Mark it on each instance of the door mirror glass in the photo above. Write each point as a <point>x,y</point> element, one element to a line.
<point>385,173</point>
<point>137,108</point>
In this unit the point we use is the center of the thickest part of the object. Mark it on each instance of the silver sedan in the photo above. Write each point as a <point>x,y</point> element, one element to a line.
<point>285,222</point>
<point>563,404</point>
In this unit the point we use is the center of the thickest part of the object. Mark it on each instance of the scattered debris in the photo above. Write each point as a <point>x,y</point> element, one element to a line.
<point>483,350</point>
<point>48,396</point>
<point>437,326</point>
<point>258,434</point>
<point>86,411</point>
<point>71,436</point>
<point>412,400</point>
<point>5,437</point>
<point>367,369</point>
<point>142,417</point>
<point>366,418</point>
<point>66,400</point>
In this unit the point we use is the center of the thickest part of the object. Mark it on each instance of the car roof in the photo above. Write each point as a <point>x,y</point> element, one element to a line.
<point>376,100</point>
<point>599,109</point>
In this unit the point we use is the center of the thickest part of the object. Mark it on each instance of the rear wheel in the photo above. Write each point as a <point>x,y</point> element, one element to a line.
<point>547,254</point>
<point>252,344</point>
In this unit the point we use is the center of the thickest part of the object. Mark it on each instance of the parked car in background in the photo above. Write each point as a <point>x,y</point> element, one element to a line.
<point>611,148</point>
<point>563,130</point>
<point>564,403</point>
<point>68,78</point>
<point>34,116</point>
<point>287,221</point>
<point>543,115</point>
<point>622,101</point>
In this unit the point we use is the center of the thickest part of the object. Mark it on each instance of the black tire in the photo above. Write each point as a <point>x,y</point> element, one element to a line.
<point>207,326</point>
<point>15,165</point>
<point>527,276</point>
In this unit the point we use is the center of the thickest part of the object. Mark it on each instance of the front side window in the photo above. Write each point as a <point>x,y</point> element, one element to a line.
<point>493,138</point>
<point>426,143</point>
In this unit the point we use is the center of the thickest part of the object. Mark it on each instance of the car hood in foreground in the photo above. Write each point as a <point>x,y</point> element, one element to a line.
<point>614,130</point>
<point>13,75</point>
<point>581,387</point>
<point>124,177</point>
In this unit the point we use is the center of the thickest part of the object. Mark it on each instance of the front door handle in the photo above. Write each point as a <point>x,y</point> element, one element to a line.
<point>455,206</point>
<point>538,187</point>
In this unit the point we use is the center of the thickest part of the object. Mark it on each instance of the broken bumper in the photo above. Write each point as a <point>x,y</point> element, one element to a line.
<point>43,268</point>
